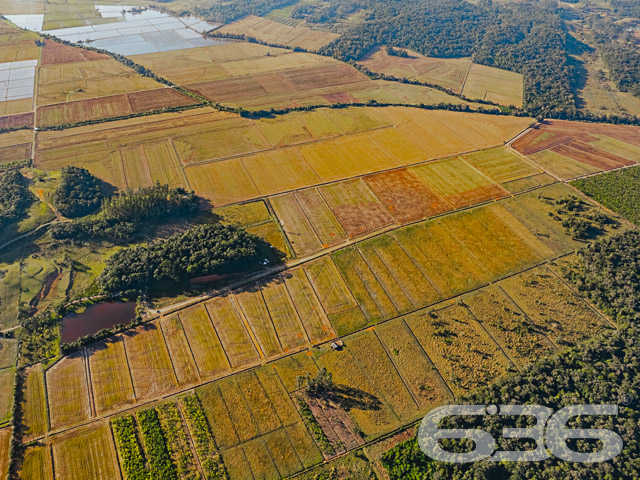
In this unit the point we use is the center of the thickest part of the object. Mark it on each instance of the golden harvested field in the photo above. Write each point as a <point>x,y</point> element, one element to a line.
<point>110,376</point>
<point>460,347</point>
<point>501,164</point>
<point>15,146</point>
<point>555,308</point>
<point>36,464</point>
<point>178,347</point>
<point>149,362</point>
<point>87,453</point>
<point>203,340</point>
<point>283,315</point>
<point>8,351</point>
<point>67,391</point>
<point>294,366</point>
<point>459,75</point>
<point>65,82</point>
<point>277,33</point>
<point>35,403</point>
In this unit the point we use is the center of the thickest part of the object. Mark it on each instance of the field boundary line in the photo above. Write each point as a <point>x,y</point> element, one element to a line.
<point>215,330</point>
<point>395,367</point>
<point>53,463</point>
<point>189,345</point>
<point>187,430</point>
<point>264,304</point>
<point>493,339</point>
<point>226,410</point>
<point>366,260</point>
<point>126,358</point>
<point>166,350</point>
<point>585,299</point>
<point>295,309</point>
<point>426,354</point>
<point>115,448</point>
<point>415,264</point>
<point>539,330</point>
<point>240,312</point>
<point>87,373</point>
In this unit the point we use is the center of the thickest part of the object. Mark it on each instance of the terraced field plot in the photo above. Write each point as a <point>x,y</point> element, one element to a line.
<point>571,149</point>
<point>459,75</point>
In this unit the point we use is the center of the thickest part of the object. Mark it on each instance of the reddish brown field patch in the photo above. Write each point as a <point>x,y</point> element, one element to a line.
<point>54,52</point>
<point>406,197</point>
<point>111,106</point>
<point>585,153</point>
<point>16,121</point>
<point>477,195</point>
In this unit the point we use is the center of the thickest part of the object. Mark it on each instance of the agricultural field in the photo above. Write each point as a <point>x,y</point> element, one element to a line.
<point>460,75</point>
<point>277,33</point>
<point>618,191</point>
<point>189,148</point>
<point>257,77</point>
<point>568,150</point>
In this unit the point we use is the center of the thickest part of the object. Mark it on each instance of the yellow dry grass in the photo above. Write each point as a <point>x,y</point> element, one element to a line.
<point>67,391</point>
<point>110,376</point>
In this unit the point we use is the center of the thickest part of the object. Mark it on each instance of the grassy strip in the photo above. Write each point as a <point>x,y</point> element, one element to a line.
<point>160,466</point>
<point>131,459</point>
<point>177,441</point>
<point>314,427</point>
<point>206,447</point>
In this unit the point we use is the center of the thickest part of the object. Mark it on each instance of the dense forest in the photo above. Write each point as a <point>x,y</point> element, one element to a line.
<point>123,216</point>
<point>78,194</point>
<point>528,37</point>
<point>210,249</point>
<point>606,370</point>
<point>227,11</point>
<point>15,197</point>
<point>626,8</point>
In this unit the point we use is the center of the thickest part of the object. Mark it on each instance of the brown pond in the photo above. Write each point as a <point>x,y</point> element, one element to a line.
<point>95,318</point>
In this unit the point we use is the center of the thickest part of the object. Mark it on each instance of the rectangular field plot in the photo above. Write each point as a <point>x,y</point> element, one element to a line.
<point>528,183</point>
<point>501,164</point>
<point>37,464</point>
<point>374,360</point>
<point>365,286</point>
<point>255,311</point>
<point>564,316</point>
<point>523,341</point>
<point>296,225</point>
<point>5,447</point>
<point>7,376</point>
<point>149,361</point>
<point>67,391</point>
<point>203,340</point>
<point>405,196</point>
<point>412,363</point>
<point>561,166</point>
<point>357,209</point>
<point>371,413</point>
<point>181,357</point>
<point>218,415</point>
<point>34,406</point>
<point>258,402</point>
<point>84,80</point>
<point>110,377</point>
<point>316,325</point>
<point>283,314</point>
<point>459,183</point>
<point>86,453</point>
<point>237,343</point>
<point>464,353</point>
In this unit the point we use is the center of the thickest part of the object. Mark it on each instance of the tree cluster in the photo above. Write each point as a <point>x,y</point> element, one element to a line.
<point>200,251</point>
<point>78,194</point>
<point>122,216</point>
<point>15,197</point>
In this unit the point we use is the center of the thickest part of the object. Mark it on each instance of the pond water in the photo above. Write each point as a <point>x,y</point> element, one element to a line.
<point>95,318</point>
<point>126,32</point>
